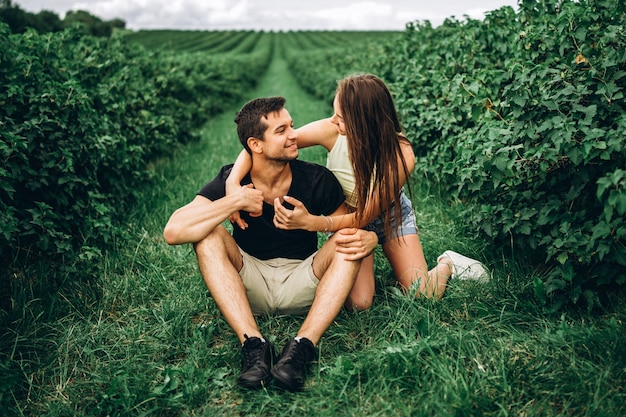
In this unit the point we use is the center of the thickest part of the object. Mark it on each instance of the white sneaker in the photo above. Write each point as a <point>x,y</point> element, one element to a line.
<point>466,268</point>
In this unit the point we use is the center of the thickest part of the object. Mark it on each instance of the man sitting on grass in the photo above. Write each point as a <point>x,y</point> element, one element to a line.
<point>261,269</point>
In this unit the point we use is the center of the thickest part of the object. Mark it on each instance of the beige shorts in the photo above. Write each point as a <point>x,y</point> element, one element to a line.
<point>280,285</point>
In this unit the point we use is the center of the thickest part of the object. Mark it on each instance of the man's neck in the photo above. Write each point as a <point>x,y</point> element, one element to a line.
<point>272,177</point>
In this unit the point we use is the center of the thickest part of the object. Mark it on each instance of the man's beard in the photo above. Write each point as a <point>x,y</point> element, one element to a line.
<point>283,159</point>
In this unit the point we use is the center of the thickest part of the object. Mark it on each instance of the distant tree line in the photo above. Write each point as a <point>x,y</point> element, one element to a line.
<point>47,21</point>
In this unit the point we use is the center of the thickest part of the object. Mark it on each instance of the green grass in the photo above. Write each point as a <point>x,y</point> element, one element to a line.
<point>145,338</point>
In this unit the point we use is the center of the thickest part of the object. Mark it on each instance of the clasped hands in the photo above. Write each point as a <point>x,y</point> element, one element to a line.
<point>354,243</point>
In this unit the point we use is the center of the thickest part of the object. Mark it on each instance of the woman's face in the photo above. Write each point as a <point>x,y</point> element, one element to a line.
<point>337,118</point>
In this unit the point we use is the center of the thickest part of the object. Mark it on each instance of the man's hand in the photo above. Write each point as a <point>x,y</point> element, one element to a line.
<point>298,218</point>
<point>252,201</point>
<point>355,243</point>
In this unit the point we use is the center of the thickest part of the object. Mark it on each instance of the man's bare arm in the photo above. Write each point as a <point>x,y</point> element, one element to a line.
<point>194,221</point>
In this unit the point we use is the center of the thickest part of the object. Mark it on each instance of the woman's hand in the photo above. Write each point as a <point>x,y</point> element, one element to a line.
<point>355,243</point>
<point>251,197</point>
<point>298,218</point>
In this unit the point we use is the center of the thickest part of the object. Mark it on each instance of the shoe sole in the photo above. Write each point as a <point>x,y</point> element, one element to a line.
<point>255,385</point>
<point>286,383</point>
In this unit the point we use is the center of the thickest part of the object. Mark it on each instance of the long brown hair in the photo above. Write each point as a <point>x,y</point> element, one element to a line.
<point>374,133</point>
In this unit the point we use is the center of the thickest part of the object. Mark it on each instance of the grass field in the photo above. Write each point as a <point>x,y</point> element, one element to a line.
<point>145,338</point>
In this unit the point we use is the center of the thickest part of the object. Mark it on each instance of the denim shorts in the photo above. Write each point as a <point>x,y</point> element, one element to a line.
<point>407,226</point>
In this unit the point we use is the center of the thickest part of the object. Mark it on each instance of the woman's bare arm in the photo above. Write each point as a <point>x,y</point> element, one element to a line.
<point>300,218</point>
<point>320,132</point>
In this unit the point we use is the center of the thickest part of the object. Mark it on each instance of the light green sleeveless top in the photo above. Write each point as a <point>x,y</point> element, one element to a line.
<point>338,162</point>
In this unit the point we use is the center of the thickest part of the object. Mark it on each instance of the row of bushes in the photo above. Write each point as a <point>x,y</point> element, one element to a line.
<point>80,119</point>
<point>45,21</point>
<point>521,116</point>
<point>318,69</point>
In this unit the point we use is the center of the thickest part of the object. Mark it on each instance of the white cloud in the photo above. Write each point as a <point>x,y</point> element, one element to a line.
<point>184,14</point>
<point>357,15</point>
<point>271,14</point>
<point>475,13</point>
<point>240,12</point>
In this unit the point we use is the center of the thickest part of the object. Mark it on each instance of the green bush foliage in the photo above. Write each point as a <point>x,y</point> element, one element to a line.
<point>45,21</point>
<point>80,119</point>
<point>317,68</point>
<point>520,116</point>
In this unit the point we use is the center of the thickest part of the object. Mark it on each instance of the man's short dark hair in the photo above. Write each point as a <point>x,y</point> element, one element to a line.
<point>250,121</point>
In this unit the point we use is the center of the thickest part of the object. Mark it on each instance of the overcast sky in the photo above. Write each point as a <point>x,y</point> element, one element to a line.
<point>271,14</point>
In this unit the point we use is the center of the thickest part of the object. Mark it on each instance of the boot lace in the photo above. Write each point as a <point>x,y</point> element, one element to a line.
<point>252,351</point>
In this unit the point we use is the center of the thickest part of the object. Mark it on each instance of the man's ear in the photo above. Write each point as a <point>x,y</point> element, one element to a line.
<point>255,145</point>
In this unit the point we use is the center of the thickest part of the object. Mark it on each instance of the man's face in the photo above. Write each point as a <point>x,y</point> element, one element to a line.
<point>279,142</point>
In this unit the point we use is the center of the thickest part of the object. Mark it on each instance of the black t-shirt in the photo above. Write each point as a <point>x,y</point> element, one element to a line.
<point>314,185</point>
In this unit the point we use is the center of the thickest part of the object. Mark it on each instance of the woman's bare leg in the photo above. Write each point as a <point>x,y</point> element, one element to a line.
<point>407,260</point>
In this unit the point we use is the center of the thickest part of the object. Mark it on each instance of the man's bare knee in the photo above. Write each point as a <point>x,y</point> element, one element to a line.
<point>216,237</point>
<point>330,254</point>
<point>328,257</point>
<point>214,244</point>
<point>217,248</point>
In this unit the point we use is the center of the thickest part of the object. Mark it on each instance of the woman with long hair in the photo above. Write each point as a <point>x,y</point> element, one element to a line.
<point>372,158</point>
